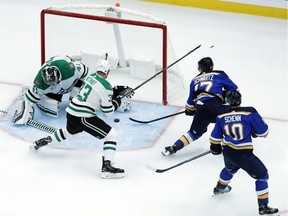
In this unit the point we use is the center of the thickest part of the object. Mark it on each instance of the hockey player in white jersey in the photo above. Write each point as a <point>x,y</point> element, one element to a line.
<point>57,76</point>
<point>96,94</point>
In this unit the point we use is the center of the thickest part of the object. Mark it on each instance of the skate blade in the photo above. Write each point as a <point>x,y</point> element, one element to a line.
<point>165,153</point>
<point>32,148</point>
<point>219,194</point>
<point>275,214</point>
<point>107,175</point>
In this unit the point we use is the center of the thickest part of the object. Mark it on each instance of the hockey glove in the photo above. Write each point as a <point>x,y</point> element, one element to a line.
<point>123,90</point>
<point>216,149</point>
<point>190,110</point>
<point>116,101</point>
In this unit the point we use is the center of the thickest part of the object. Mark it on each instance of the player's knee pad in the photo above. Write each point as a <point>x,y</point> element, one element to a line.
<point>112,135</point>
<point>49,106</point>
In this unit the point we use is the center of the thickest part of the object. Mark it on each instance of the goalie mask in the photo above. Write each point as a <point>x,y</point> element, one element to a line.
<point>103,66</point>
<point>51,75</point>
<point>205,64</point>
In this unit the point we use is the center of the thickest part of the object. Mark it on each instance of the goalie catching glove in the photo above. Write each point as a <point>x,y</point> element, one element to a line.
<point>124,94</point>
<point>23,113</point>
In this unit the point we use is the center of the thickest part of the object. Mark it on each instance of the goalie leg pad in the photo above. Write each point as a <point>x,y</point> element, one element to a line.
<point>24,90</point>
<point>23,113</point>
<point>49,106</point>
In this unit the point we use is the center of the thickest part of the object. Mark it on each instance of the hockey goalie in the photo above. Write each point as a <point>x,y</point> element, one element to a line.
<point>58,76</point>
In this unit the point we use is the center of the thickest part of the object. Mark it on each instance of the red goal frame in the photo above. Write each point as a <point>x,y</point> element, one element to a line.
<point>163,27</point>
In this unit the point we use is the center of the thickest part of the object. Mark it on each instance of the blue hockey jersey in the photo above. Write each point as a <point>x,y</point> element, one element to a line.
<point>234,129</point>
<point>207,85</point>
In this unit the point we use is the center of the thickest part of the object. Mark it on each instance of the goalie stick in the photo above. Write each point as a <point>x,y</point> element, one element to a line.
<point>179,164</point>
<point>37,124</point>
<point>157,119</point>
<point>152,77</point>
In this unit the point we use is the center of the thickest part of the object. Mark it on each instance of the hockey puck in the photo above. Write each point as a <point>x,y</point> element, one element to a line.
<point>116,120</point>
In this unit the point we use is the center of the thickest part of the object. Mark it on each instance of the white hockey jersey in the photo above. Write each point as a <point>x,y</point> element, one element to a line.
<point>95,95</point>
<point>71,71</point>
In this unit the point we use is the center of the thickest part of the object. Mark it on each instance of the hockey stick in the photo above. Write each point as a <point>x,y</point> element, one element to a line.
<point>36,124</point>
<point>179,164</point>
<point>128,92</point>
<point>157,119</point>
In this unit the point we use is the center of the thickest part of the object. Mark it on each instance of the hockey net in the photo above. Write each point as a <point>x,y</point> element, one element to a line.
<point>137,45</point>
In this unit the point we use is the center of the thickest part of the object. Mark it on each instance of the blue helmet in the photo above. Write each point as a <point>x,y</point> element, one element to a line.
<point>233,98</point>
<point>205,64</point>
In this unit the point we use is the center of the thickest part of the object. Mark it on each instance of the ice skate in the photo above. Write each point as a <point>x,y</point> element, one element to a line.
<point>220,190</point>
<point>40,143</point>
<point>169,150</point>
<point>110,172</point>
<point>264,209</point>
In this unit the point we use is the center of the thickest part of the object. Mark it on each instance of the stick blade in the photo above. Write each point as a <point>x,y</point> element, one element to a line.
<point>138,121</point>
<point>154,169</point>
<point>149,167</point>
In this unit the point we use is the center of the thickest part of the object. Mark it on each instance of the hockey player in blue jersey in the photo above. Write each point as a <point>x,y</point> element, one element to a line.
<point>234,130</point>
<point>205,102</point>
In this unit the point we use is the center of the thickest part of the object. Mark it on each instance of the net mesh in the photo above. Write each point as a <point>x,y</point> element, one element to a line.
<point>125,36</point>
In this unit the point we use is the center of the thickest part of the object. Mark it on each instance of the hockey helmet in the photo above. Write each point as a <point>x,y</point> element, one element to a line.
<point>103,66</point>
<point>233,98</point>
<point>205,64</point>
<point>51,75</point>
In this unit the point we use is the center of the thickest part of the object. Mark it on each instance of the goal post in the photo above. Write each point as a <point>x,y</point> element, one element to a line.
<point>137,43</point>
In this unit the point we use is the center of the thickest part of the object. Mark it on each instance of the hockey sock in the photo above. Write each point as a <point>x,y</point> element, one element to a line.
<point>109,149</point>
<point>61,134</point>
<point>262,189</point>
<point>184,140</point>
<point>225,178</point>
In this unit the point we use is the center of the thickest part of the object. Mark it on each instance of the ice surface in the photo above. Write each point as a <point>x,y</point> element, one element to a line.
<point>251,49</point>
